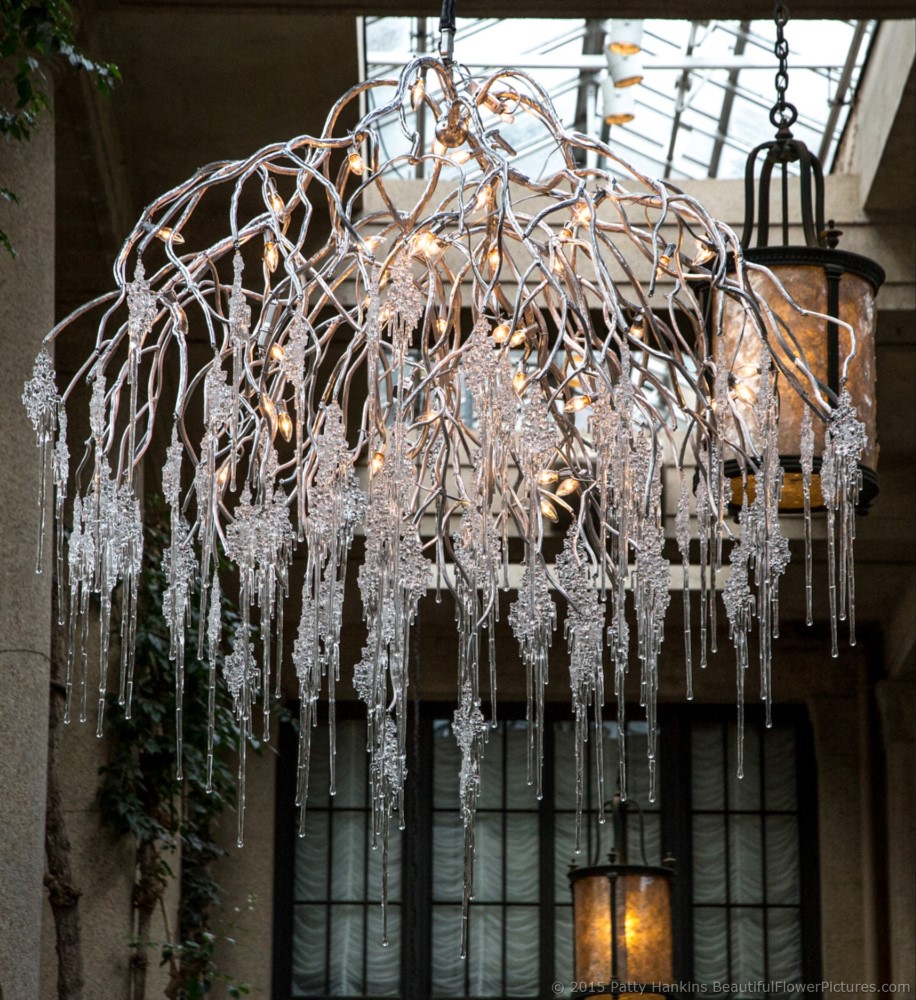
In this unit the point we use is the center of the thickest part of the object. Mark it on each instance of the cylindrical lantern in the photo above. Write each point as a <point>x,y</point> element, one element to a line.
<point>622,927</point>
<point>625,71</point>
<point>619,103</point>
<point>624,36</point>
<point>820,280</point>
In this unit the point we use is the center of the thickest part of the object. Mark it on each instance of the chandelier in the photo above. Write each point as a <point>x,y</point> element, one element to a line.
<point>486,380</point>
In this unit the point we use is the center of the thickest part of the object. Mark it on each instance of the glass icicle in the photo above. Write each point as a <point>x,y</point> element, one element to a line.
<point>470,731</point>
<point>807,469</point>
<point>585,640</point>
<point>682,530</point>
<point>41,401</point>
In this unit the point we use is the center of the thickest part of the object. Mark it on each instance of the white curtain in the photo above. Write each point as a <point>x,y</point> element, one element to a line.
<point>733,831</point>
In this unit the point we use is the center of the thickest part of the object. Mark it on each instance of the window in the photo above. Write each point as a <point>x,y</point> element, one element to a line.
<point>745,904</point>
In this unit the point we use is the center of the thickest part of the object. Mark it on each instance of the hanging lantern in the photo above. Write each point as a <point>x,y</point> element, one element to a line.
<point>622,921</point>
<point>832,330</point>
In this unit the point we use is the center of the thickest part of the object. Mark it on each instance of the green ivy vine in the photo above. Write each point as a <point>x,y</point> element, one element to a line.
<point>141,796</point>
<point>32,32</point>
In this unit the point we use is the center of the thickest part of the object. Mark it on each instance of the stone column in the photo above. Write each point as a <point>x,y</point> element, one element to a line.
<point>837,722</point>
<point>897,703</point>
<point>26,315</point>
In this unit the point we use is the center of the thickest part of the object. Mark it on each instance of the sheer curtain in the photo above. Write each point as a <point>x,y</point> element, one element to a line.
<point>746,918</point>
<point>337,934</point>
<point>503,940</point>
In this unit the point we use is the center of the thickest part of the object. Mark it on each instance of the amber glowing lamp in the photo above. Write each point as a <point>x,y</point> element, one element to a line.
<point>622,926</point>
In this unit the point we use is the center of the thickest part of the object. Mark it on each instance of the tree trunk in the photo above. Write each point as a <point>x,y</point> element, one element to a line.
<point>63,893</point>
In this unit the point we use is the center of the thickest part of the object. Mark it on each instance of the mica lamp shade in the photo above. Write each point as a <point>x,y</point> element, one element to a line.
<point>807,273</point>
<point>622,926</point>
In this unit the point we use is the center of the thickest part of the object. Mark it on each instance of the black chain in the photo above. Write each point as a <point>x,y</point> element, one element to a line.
<point>783,114</point>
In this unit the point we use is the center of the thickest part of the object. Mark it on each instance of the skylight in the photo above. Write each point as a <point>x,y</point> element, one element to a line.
<point>705,97</point>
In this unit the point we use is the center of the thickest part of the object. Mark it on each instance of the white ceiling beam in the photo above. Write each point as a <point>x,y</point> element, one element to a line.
<point>585,62</point>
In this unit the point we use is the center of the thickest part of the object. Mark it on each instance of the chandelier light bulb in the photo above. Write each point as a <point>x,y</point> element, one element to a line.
<point>355,162</point>
<point>284,423</point>
<point>567,487</point>
<point>169,235</point>
<point>547,477</point>
<point>484,198</point>
<point>577,403</point>
<point>271,255</point>
<point>418,93</point>
<point>549,511</point>
<point>377,463</point>
<point>501,333</point>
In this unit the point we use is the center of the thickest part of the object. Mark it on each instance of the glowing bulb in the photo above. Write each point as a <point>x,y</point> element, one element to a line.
<point>665,259</point>
<point>493,258</point>
<point>285,423</point>
<point>355,162</point>
<point>374,242</point>
<point>271,256</point>
<point>704,253</point>
<point>483,198</point>
<point>277,204</point>
<point>747,371</point>
<point>268,405</point>
<point>441,324</point>
<point>426,243</point>
<point>745,393</point>
<point>546,477</point>
<point>417,93</point>
<point>566,233</point>
<point>549,511</point>
<point>567,486</point>
<point>518,338</point>
<point>276,352</point>
<point>222,477</point>
<point>558,262</point>
<point>583,213</point>
<point>166,234</point>
<point>519,381</point>
<point>638,329</point>
<point>501,333</point>
<point>577,403</point>
<point>377,463</point>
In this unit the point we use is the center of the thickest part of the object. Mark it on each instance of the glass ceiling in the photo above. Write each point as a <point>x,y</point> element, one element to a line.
<point>705,96</point>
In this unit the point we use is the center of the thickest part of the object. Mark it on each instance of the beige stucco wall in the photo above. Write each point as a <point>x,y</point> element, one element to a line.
<point>26,313</point>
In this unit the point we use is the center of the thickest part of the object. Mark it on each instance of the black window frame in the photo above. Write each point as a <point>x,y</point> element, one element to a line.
<point>676,821</point>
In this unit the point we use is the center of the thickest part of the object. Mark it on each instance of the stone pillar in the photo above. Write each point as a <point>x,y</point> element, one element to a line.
<point>248,873</point>
<point>897,703</point>
<point>26,315</point>
<point>837,722</point>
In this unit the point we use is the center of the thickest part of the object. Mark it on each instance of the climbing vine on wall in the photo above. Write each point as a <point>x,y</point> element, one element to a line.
<point>140,794</point>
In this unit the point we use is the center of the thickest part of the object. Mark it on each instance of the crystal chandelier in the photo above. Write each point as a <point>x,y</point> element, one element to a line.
<point>465,378</point>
